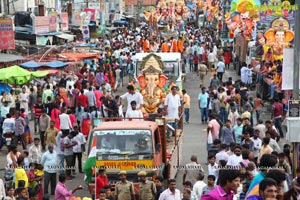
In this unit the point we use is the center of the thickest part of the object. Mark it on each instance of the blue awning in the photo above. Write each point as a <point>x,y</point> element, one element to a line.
<point>55,64</point>
<point>30,65</point>
<point>121,22</point>
<point>4,87</point>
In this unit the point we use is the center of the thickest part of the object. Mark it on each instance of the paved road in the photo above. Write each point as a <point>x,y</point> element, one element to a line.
<point>194,135</point>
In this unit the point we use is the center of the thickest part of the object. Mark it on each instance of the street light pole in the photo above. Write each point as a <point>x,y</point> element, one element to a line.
<point>296,76</point>
<point>296,52</point>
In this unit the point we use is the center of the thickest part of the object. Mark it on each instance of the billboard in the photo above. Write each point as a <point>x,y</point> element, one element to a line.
<point>7,35</point>
<point>41,24</point>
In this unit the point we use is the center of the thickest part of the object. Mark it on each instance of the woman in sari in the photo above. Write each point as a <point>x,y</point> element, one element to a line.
<point>85,122</point>
<point>111,78</point>
<point>55,116</point>
<point>74,97</point>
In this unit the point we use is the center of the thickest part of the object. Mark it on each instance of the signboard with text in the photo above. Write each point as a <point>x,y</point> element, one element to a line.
<point>41,24</point>
<point>7,35</point>
<point>294,108</point>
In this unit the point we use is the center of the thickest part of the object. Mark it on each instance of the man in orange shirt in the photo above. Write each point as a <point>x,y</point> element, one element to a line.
<point>165,47</point>
<point>186,105</point>
<point>145,45</point>
<point>180,45</point>
<point>174,47</point>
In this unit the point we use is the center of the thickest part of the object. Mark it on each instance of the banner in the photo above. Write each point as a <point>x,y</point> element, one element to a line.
<point>77,19</point>
<point>53,25</point>
<point>64,21</point>
<point>41,24</point>
<point>7,35</point>
<point>288,69</point>
<point>92,11</point>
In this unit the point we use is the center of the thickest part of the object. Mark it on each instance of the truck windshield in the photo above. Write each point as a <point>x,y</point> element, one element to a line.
<point>124,142</point>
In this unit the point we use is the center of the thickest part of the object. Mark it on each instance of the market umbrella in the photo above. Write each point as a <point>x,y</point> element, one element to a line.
<point>15,75</point>
<point>39,74</point>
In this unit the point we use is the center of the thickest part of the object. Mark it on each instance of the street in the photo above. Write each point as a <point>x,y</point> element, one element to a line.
<point>194,135</point>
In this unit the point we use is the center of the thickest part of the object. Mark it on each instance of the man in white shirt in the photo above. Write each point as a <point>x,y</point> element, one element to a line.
<point>134,113</point>
<point>257,144</point>
<point>235,159</point>
<point>273,144</point>
<point>213,168</point>
<point>222,155</point>
<point>50,169</point>
<point>65,122</point>
<point>133,95</point>
<point>79,148</point>
<point>173,107</point>
<point>70,84</point>
<point>35,152</point>
<point>199,185</point>
<point>171,193</point>
<point>211,59</point>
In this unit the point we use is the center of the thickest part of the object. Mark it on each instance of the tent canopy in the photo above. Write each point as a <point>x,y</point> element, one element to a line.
<point>18,75</point>
<point>33,64</point>
<point>4,58</point>
<point>55,64</point>
<point>4,87</point>
<point>30,64</point>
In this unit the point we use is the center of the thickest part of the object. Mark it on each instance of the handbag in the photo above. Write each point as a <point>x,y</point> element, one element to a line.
<point>209,138</point>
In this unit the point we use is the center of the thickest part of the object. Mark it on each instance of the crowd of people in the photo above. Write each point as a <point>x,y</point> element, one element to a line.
<point>240,152</point>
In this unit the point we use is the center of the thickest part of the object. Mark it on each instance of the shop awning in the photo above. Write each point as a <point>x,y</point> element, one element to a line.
<point>4,58</point>
<point>30,65</point>
<point>55,64</point>
<point>50,71</point>
<point>66,36</point>
<point>80,56</point>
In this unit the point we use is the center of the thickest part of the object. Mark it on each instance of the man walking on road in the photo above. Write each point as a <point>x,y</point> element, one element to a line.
<point>202,73</point>
<point>192,170</point>
<point>186,106</point>
<point>202,103</point>
<point>19,130</point>
<point>220,69</point>
<point>49,163</point>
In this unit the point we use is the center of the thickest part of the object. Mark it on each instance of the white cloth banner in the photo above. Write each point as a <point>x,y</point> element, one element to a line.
<point>288,69</point>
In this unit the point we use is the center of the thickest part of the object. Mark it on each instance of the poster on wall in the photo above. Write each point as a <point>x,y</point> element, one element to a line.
<point>77,19</point>
<point>64,21</point>
<point>92,11</point>
<point>53,25</point>
<point>7,35</point>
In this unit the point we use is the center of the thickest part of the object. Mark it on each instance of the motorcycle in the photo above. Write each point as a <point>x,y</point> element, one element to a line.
<point>8,137</point>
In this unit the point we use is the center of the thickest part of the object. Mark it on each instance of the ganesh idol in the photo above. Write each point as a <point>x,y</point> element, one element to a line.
<point>278,37</point>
